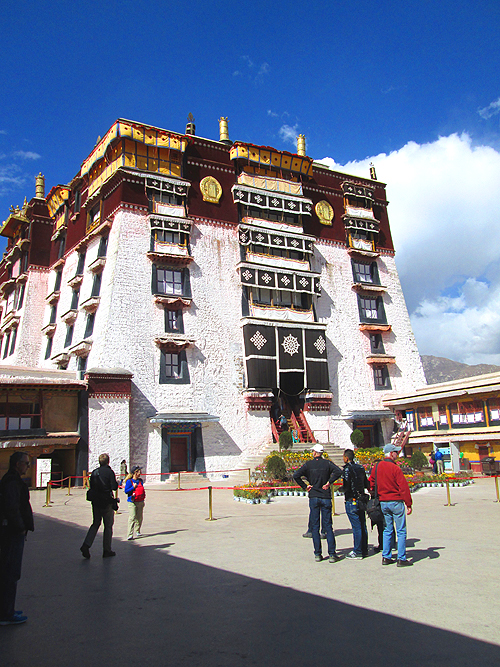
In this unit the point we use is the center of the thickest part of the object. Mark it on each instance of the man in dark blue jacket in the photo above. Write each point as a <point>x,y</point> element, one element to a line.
<point>16,521</point>
<point>320,473</point>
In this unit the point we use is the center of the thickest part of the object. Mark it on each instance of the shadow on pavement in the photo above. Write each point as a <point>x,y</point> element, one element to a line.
<point>145,604</point>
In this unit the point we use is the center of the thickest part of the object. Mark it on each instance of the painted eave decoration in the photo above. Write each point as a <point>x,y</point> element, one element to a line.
<point>12,223</point>
<point>270,157</point>
<point>56,198</point>
<point>145,134</point>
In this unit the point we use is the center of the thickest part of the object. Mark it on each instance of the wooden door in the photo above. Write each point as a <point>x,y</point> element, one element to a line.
<point>179,452</point>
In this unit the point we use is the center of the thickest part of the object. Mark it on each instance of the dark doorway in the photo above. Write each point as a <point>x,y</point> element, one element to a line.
<point>292,384</point>
<point>179,458</point>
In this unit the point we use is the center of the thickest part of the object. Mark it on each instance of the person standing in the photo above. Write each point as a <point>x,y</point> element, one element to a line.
<point>354,484</point>
<point>134,488</point>
<point>439,458</point>
<point>16,520</point>
<point>319,473</point>
<point>102,485</point>
<point>123,471</point>
<point>394,494</point>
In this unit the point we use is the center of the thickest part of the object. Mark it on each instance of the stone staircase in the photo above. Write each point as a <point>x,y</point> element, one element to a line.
<point>335,454</point>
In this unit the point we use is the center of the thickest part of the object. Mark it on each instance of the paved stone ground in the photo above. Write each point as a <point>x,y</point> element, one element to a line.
<point>245,589</point>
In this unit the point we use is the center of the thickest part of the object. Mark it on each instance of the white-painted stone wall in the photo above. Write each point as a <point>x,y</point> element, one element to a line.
<point>109,431</point>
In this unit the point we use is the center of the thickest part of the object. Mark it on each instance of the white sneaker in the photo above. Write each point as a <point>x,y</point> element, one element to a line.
<point>130,538</point>
<point>139,534</point>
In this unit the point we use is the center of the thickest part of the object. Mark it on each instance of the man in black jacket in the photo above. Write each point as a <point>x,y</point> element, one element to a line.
<point>320,473</point>
<point>102,484</point>
<point>16,519</point>
<point>355,483</point>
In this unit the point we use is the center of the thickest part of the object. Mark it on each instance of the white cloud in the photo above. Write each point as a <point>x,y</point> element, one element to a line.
<point>491,110</point>
<point>27,155</point>
<point>444,219</point>
<point>288,133</point>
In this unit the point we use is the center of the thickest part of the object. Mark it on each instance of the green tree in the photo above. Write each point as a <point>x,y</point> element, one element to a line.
<point>418,460</point>
<point>276,468</point>
<point>357,437</point>
<point>285,439</point>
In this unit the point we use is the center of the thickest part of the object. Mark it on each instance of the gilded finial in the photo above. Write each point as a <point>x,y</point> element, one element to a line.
<point>301,145</point>
<point>373,173</point>
<point>223,129</point>
<point>190,127</point>
<point>40,186</point>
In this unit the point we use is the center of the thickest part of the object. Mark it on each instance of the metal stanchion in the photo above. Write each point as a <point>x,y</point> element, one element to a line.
<point>496,488</point>
<point>178,481</point>
<point>85,480</point>
<point>69,485</point>
<point>47,496</point>
<point>449,503</point>
<point>249,476</point>
<point>334,513</point>
<point>210,516</point>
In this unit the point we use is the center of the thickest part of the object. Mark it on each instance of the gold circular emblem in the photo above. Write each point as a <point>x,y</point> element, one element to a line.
<point>211,189</point>
<point>325,212</point>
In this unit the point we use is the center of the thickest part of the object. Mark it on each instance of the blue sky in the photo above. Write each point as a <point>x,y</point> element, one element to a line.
<point>404,84</point>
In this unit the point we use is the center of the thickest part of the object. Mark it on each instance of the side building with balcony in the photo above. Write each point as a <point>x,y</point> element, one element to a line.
<point>201,287</point>
<point>459,417</point>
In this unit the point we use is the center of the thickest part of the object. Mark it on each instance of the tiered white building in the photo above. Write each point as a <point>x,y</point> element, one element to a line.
<point>189,290</point>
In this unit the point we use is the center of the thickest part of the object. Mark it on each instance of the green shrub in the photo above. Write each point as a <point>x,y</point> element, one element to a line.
<point>357,437</point>
<point>418,460</point>
<point>286,439</point>
<point>276,468</point>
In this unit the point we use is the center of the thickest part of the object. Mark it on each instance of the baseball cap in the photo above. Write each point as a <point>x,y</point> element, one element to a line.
<point>135,469</point>
<point>391,448</point>
<point>318,448</point>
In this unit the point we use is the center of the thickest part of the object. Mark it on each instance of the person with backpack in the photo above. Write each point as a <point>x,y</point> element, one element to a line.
<point>102,486</point>
<point>354,484</point>
<point>134,488</point>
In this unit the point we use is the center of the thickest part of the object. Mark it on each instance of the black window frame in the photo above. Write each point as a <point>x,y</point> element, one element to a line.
<point>174,321</point>
<point>89,325</point>
<point>81,263</point>
<point>359,276</point>
<point>48,349</point>
<point>381,372</point>
<point>182,365</point>
<point>377,343</point>
<point>57,281</point>
<point>185,281</point>
<point>103,246</point>
<point>70,328</point>
<point>75,298</point>
<point>379,307</point>
<point>96,285</point>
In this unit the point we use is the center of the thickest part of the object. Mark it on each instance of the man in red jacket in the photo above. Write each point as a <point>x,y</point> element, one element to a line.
<point>394,494</point>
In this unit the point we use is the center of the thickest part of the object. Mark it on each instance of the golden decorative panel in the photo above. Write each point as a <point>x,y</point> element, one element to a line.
<point>211,189</point>
<point>325,212</point>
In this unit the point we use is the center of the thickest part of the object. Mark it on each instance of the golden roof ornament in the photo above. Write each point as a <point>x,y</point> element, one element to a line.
<point>301,145</point>
<point>223,129</point>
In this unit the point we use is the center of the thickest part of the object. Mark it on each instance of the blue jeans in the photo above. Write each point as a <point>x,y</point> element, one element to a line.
<point>358,523</point>
<point>394,513</point>
<point>321,507</point>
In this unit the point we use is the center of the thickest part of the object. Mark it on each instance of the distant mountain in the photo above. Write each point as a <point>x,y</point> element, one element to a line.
<point>440,369</point>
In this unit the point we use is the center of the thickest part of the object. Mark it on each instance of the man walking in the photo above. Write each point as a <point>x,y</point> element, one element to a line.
<point>355,483</point>
<point>16,520</point>
<point>102,484</point>
<point>394,494</point>
<point>319,473</point>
